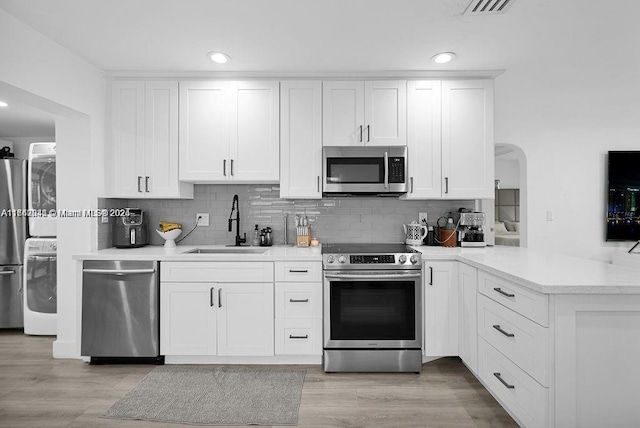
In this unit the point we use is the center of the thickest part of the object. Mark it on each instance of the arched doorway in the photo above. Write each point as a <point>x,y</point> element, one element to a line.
<point>510,196</point>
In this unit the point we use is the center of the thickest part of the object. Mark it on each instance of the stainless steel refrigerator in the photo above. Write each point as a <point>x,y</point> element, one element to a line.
<point>13,233</point>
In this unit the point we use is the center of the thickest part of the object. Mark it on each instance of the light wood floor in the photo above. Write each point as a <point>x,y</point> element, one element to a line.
<point>38,391</point>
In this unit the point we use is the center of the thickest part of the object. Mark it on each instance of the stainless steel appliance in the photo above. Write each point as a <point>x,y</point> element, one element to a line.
<point>364,170</point>
<point>372,308</point>
<point>130,230</point>
<point>472,234</point>
<point>40,287</point>
<point>13,233</point>
<point>120,311</point>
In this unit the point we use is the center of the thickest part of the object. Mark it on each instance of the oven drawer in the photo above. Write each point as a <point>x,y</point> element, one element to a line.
<point>298,271</point>
<point>526,302</point>
<point>525,398</point>
<point>298,336</point>
<point>520,339</point>
<point>298,300</point>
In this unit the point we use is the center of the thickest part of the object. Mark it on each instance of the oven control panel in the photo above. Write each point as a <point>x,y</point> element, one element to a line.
<point>370,259</point>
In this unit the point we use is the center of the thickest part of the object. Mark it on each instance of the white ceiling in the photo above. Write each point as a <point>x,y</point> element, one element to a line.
<point>307,36</point>
<point>292,35</point>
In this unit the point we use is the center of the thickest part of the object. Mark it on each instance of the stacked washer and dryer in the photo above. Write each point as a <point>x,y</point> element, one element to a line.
<point>40,250</point>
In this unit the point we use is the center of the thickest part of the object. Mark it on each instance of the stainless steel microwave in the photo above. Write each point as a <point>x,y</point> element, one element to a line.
<point>354,170</point>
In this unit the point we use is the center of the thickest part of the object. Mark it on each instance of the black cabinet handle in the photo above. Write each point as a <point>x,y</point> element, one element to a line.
<point>231,166</point>
<point>224,167</point>
<point>368,133</point>
<point>219,297</point>
<point>299,300</point>
<point>497,327</point>
<point>503,381</point>
<point>298,270</point>
<point>504,293</point>
<point>139,185</point>
<point>430,275</point>
<point>211,296</point>
<point>146,184</point>
<point>361,133</point>
<point>306,336</point>
<point>446,185</point>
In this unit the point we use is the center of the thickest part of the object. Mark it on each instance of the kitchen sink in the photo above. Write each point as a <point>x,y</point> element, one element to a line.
<point>227,250</point>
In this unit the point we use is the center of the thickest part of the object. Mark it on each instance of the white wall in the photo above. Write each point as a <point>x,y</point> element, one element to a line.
<point>508,172</point>
<point>21,144</point>
<point>46,76</point>
<point>566,114</point>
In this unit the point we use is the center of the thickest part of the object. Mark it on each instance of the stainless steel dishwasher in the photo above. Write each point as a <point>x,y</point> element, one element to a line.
<point>120,311</point>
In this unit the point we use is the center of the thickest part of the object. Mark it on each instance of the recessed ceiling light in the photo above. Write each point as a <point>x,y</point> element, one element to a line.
<point>443,57</point>
<point>219,57</point>
<point>3,104</point>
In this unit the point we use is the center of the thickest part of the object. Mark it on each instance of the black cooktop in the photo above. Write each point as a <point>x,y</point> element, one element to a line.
<point>385,248</point>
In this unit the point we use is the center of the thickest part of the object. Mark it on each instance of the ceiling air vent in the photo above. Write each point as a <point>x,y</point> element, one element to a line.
<point>487,7</point>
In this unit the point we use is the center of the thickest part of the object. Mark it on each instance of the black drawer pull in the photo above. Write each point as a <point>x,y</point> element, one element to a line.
<point>299,300</point>
<point>306,336</point>
<point>503,382</point>
<point>497,327</point>
<point>499,290</point>
<point>298,271</point>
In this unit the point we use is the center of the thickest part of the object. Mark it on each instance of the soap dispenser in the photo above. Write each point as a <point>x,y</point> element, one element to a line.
<point>256,237</point>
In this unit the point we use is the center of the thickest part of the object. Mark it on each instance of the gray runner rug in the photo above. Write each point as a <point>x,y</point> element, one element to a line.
<point>220,395</point>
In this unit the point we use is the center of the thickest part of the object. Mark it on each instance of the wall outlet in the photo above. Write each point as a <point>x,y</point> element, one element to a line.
<point>421,217</point>
<point>549,215</point>
<point>204,219</point>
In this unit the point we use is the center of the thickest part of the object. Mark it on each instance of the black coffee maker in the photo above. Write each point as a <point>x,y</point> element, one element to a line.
<point>130,229</point>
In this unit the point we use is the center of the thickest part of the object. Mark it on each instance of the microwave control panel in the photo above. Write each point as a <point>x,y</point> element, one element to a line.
<point>396,170</point>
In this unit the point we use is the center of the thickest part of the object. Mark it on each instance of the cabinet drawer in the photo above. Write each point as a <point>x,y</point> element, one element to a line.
<point>525,398</point>
<point>528,303</point>
<point>298,336</point>
<point>298,300</point>
<point>216,271</point>
<point>298,271</point>
<point>520,339</point>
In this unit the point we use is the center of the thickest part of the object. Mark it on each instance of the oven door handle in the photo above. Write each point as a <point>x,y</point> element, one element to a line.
<point>373,276</point>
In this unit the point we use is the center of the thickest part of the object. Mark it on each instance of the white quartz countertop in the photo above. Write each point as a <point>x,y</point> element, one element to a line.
<point>181,253</point>
<point>545,272</point>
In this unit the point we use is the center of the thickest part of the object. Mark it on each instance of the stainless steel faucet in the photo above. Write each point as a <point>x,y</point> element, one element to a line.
<point>235,206</point>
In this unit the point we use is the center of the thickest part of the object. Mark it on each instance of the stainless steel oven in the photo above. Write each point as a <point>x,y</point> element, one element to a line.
<point>365,170</point>
<point>372,308</point>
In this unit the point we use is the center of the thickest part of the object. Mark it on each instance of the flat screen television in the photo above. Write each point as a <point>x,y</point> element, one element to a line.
<point>623,206</point>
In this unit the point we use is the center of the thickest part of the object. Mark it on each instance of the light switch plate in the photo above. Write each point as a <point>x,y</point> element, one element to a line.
<point>204,219</point>
<point>422,216</point>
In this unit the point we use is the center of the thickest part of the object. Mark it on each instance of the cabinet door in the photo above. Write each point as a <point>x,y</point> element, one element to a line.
<point>254,149</point>
<point>440,309</point>
<point>468,286</point>
<point>424,139</point>
<point>343,113</point>
<point>188,318</point>
<point>128,140</point>
<point>467,139</point>
<point>245,319</point>
<point>204,131</point>
<point>161,135</point>
<point>301,139</point>
<point>385,113</point>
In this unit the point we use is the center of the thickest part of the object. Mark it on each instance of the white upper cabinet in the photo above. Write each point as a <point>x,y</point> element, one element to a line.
<point>450,139</point>
<point>424,144</point>
<point>467,139</point>
<point>144,134</point>
<point>301,139</point>
<point>229,131</point>
<point>359,113</point>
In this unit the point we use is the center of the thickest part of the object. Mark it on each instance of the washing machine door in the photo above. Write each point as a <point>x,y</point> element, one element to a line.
<point>41,291</point>
<point>42,194</point>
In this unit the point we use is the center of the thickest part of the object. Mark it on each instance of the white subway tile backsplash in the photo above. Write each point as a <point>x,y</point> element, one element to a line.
<point>332,219</point>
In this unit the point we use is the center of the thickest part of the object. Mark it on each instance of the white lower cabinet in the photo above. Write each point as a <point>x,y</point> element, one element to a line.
<point>440,309</point>
<point>298,308</point>
<point>521,395</point>
<point>467,298</point>
<point>210,316</point>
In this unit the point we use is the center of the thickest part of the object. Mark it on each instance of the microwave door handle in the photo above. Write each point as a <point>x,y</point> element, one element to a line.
<point>386,170</point>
